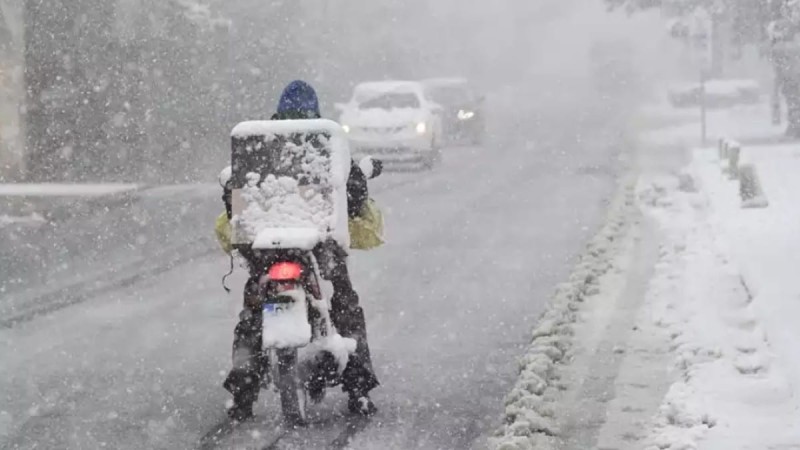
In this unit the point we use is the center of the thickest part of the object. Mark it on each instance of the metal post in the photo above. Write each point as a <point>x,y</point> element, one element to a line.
<point>776,100</point>
<point>703,107</point>
<point>734,152</point>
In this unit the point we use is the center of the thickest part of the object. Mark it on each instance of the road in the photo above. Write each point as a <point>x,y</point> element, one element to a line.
<point>116,331</point>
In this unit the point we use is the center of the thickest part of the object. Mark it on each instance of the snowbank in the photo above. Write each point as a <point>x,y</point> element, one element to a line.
<point>530,420</point>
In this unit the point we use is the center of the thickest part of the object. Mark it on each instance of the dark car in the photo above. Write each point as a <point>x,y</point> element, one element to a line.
<point>463,112</point>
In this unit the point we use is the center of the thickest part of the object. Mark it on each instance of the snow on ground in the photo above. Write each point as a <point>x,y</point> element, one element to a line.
<point>531,419</point>
<point>764,250</point>
<point>720,309</point>
<point>64,190</point>
<point>685,335</point>
<point>32,219</point>
<point>731,388</point>
<point>764,242</point>
<point>473,247</point>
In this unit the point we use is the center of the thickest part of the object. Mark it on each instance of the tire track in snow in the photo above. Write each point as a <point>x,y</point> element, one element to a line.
<point>605,353</point>
<point>95,287</point>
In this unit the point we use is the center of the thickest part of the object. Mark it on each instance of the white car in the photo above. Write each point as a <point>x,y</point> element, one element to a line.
<point>393,121</point>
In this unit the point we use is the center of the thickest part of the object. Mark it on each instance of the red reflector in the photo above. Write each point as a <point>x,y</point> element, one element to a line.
<point>284,271</point>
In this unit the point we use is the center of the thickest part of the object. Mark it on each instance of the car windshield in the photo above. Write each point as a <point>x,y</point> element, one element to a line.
<point>450,95</point>
<point>391,100</point>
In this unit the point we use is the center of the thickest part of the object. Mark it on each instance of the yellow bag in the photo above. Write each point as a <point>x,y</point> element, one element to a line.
<point>366,230</point>
<point>223,230</point>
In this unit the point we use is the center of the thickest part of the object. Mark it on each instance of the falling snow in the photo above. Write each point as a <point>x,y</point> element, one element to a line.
<point>567,264</point>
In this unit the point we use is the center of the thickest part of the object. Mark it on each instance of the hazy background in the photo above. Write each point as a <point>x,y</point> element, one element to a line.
<point>115,330</point>
<point>147,90</point>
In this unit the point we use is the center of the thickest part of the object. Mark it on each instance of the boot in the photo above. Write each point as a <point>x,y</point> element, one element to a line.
<point>244,386</point>
<point>241,410</point>
<point>361,405</point>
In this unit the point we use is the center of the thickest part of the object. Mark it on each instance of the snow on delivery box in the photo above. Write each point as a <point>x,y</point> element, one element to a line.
<point>289,181</point>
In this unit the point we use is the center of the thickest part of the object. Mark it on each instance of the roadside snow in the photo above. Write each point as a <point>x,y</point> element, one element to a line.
<point>729,390</point>
<point>707,357</point>
<point>531,419</point>
<point>720,309</point>
<point>63,190</point>
<point>600,354</point>
<point>33,219</point>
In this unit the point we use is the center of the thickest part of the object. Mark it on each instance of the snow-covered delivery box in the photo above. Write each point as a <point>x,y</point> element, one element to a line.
<point>289,183</point>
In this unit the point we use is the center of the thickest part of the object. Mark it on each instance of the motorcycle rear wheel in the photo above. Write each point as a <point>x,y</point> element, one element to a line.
<point>290,388</point>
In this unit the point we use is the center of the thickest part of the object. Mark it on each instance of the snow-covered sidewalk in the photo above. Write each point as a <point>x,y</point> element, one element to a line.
<point>723,304</point>
<point>684,336</point>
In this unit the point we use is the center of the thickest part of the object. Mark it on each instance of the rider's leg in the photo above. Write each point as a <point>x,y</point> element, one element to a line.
<point>244,379</point>
<point>348,318</point>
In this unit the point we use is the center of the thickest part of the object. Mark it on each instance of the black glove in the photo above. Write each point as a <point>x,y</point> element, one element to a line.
<point>377,167</point>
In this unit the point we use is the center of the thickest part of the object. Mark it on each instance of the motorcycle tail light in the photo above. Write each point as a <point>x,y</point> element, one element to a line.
<point>285,271</point>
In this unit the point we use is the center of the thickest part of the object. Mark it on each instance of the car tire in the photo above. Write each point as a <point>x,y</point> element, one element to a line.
<point>477,140</point>
<point>479,135</point>
<point>434,156</point>
<point>433,160</point>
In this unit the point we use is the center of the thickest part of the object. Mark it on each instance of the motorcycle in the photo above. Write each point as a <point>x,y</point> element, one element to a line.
<point>305,354</point>
<point>289,204</point>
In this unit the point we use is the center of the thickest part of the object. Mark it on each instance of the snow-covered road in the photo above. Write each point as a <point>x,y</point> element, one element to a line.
<point>474,250</point>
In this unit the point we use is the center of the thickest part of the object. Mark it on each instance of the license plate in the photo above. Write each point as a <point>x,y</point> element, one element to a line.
<point>275,309</point>
<point>285,325</point>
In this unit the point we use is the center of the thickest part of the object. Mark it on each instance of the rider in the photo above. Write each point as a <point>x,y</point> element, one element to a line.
<point>299,101</point>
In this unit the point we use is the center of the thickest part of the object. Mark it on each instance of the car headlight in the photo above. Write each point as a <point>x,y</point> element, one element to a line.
<point>346,128</point>
<point>422,128</point>
<point>465,115</point>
